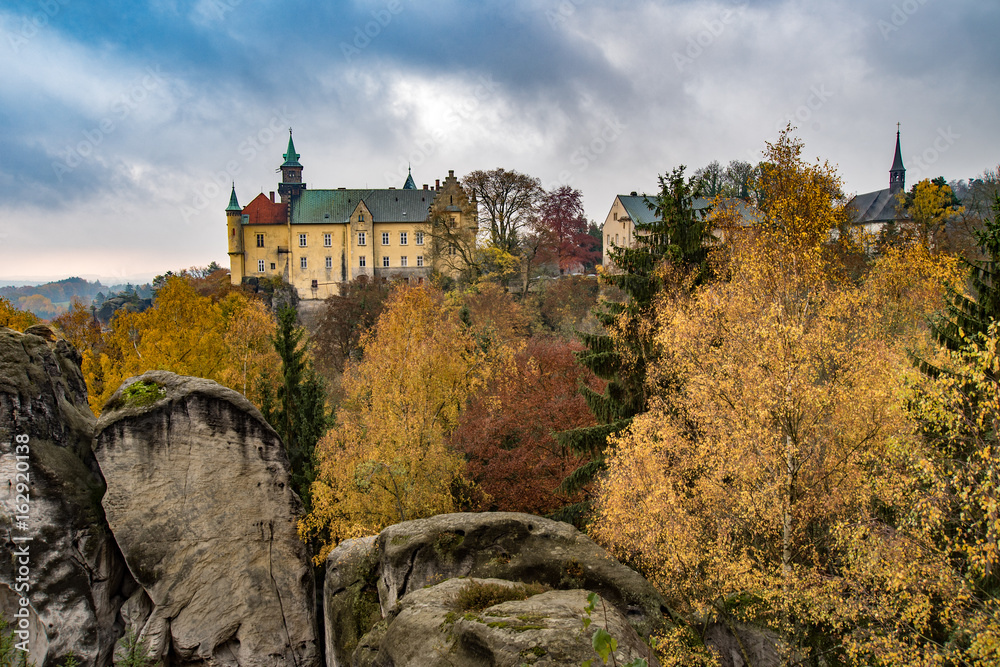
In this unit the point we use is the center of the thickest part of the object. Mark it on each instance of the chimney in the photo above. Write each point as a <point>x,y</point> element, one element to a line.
<point>425,186</point>
<point>635,194</point>
<point>272,196</point>
<point>437,183</point>
<point>451,173</point>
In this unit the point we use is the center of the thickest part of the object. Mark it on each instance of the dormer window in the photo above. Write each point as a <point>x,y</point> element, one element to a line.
<point>361,217</point>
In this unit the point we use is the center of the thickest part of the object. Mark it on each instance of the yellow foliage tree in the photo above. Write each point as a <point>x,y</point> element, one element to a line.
<point>13,317</point>
<point>387,460</point>
<point>188,334</point>
<point>778,485</point>
<point>928,210</point>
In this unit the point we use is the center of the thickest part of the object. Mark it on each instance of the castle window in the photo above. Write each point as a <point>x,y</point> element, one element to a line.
<point>260,241</point>
<point>452,250</point>
<point>616,215</point>
<point>303,263</point>
<point>327,240</point>
<point>418,238</point>
<point>420,260</point>
<point>260,266</point>
<point>402,238</point>
<point>362,239</point>
<point>385,238</point>
<point>315,284</point>
<point>361,217</point>
<point>329,262</point>
<point>362,261</point>
<point>385,262</point>
<point>272,266</point>
<point>402,260</point>
<point>302,241</point>
<point>245,218</point>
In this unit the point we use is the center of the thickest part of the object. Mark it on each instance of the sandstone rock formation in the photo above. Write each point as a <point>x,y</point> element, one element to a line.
<point>199,500</point>
<point>76,574</point>
<point>430,628</point>
<point>406,557</point>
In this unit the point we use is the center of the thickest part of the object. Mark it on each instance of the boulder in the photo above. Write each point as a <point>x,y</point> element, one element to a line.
<point>76,577</point>
<point>407,557</point>
<point>430,627</point>
<point>199,499</point>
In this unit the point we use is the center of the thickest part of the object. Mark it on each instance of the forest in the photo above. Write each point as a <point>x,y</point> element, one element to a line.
<point>778,419</point>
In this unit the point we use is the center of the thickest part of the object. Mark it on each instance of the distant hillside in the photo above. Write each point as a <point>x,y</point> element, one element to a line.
<point>52,299</point>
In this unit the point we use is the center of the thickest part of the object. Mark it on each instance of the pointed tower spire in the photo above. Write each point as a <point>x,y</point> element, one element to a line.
<point>897,173</point>
<point>234,205</point>
<point>291,157</point>
<point>409,184</point>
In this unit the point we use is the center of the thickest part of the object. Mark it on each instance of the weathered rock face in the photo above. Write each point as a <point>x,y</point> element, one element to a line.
<point>430,628</point>
<point>77,577</point>
<point>199,500</point>
<point>406,557</point>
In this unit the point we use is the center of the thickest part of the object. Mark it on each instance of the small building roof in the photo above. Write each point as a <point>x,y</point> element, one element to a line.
<point>409,184</point>
<point>262,211</point>
<point>638,209</point>
<point>878,206</point>
<point>234,205</point>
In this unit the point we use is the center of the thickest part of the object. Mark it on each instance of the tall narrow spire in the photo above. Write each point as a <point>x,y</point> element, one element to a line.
<point>897,173</point>
<point>233,204</point>
<point>409,184</point>
<point>291,157</point>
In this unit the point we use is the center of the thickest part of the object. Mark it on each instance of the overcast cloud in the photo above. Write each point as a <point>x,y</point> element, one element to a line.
<point>123,123</point>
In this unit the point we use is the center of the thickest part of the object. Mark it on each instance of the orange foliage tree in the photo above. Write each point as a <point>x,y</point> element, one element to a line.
<point>506,432</point>
<point>13,317</point>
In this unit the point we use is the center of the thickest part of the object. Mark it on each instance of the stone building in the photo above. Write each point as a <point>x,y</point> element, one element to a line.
<point>317,239</point>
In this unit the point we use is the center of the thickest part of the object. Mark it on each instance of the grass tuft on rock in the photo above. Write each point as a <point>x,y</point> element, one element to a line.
<point>141,394</point>
<point>478,595</point>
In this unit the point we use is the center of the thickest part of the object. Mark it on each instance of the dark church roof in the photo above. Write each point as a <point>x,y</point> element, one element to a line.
<point>878,206</point>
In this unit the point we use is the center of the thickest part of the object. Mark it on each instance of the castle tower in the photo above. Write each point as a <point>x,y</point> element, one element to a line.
<point>897,174</point>
<point>234,225</point>
<point>291,173</point>
<point>409,184</point>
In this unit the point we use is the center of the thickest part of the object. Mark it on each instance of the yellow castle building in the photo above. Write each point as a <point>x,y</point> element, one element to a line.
<point>317,239</point>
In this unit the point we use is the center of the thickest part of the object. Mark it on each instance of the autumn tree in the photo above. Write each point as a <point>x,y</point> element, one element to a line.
<point>563,228</point>
<point>506,433</point>
<point>928,209</point>
<point>507,199</point>
<point>79,326</point>
<point>188,334</point>
<point>672,248</point>
<point>14,318</point>
<point>387,459</point>
<point>345,319</point>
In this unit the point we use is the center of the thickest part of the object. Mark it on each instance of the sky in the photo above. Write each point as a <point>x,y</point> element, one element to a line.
<point>123,124</point>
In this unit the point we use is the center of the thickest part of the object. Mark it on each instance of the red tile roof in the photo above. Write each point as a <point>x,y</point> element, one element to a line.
<point>263,211</point>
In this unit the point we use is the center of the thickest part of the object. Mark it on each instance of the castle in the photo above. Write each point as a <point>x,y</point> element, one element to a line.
<point>317,239</point>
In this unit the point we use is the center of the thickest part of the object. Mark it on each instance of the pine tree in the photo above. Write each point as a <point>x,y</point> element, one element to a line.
<point>300,416</point>
<point>678,237</point>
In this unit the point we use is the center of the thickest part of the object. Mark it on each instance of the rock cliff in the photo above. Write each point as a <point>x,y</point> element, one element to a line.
<point>76,577</point>
<point>199,500</point>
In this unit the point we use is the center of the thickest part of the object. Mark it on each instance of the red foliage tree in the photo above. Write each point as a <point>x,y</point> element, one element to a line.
<point>564,226</point>
<point>506,431</point>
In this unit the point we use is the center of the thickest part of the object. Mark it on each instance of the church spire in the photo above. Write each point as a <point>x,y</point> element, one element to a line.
<point>409,184</point>
<point>897,173</point>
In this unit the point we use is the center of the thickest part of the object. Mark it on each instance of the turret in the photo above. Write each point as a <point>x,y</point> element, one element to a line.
<point>234,228</point>
<point>291,173</point>
<point>897,174</point>
<point>409,184</point>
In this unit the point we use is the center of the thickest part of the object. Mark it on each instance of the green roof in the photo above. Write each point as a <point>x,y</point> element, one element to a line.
<point>409,184</point>
<point>336,206</point>
<point>233,204</point>
<point>291,157</point>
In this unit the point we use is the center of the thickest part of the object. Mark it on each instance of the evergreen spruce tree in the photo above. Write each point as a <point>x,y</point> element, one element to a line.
<point>972,315</point>
<point>678,237</point>
<point>300,415</point>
